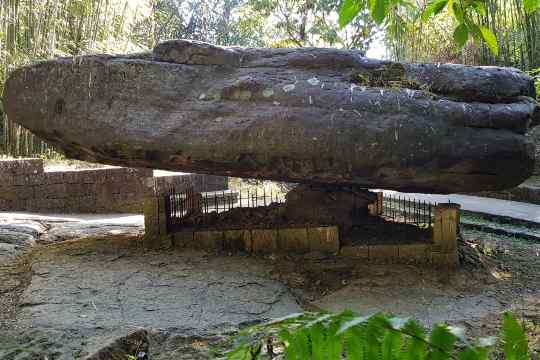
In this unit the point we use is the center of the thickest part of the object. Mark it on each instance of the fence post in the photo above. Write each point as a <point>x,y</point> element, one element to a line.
<point>155,226</point>
<point>380,202</point>
<point>376,207</point>
<point>445,233</point>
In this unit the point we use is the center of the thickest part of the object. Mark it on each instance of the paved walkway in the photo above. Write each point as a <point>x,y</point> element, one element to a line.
<point>513,209</point>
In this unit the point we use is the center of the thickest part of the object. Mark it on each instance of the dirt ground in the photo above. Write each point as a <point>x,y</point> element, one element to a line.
<point>68,299</point>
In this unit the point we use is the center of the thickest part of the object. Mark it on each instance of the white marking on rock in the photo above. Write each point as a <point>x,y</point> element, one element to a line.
<point>288,87</point>
<point>268,92</point>
<point>202,96</point>
<point>313,81</point>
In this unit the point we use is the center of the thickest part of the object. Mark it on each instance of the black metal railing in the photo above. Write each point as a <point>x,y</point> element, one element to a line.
<point>399,208</point>
<point>181,205</point>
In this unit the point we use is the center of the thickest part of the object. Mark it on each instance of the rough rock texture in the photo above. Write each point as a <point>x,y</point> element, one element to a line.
<point>82,296</point>
<point>321,116</point>
<point>19,232</point>
<point>343,207</point>
<point>534,135</point>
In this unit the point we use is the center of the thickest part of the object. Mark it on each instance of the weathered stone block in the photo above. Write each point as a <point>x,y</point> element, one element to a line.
<point>24,192</point>
<point>183,239</point>
<point>415,252</point>
<point>445,260</point>
<point>72,177</point>
<point>208,240</point>
<point>446,227</point>
<point>11,167</point>
<point>383,252</point>
<point>294,240</point>
<point>8,193</point>
<point>264,240</point>
<point>89,176</point>
<point>361,251</point>
<point>324,239</point>
<point>20,180</point>
<point>237,240</point>
<point>55,191</point>
<point>54,177</point>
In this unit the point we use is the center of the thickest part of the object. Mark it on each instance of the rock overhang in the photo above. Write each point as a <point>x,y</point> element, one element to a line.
<point>322,116</point>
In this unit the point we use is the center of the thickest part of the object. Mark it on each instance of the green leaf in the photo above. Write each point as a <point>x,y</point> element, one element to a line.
<point>352,323</point>
<point>293,316</point>
<point>416,348</point>
<point>378,9</point>
<point>334,344</point>
<point>516,346</point>
<point>243,352</point>
<point>320,319</point>
<point>391,345</point>
<point>355,343</point>
<point>301,345</point>
<point>348,11</point>
<point>318,342</point>
<point>490,40</point>
<point>457,11</point>
<point>461,35</point>
<point>442,341</point>
<point>531,5</point>
<point>433,8</point>
<point>479,8</point>
<point>290,350</point>
<point>470,354</point>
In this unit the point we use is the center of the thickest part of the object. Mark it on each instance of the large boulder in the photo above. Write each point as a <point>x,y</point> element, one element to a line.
<point>319,116</point>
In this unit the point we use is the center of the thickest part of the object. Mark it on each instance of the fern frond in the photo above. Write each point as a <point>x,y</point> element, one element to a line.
<point>516,346</point>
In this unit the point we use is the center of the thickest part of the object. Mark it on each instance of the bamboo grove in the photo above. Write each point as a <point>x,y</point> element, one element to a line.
<point>39,29</point>
<point>518,34</point>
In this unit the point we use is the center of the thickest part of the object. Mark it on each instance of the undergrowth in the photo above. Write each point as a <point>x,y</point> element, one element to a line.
<point>326,336</point>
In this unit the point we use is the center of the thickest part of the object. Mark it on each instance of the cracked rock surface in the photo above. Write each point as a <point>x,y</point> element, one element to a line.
<point>80,297</point>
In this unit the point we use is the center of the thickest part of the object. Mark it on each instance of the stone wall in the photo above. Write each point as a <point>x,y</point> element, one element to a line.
<point>25,186</point>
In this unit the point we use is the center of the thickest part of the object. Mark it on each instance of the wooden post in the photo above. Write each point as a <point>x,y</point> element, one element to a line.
<point>376,207</point>
<point>380,200</point>
<point>445,233</point>
<point>155,226</point>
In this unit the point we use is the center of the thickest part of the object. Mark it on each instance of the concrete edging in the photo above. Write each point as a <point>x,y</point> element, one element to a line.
<point>262,241</point>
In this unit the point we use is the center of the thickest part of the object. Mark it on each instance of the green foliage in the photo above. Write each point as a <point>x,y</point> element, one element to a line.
<point>490,39</point>
<point>382,337</point>
<point>461,35</point>
<point>468,14</point>
<point>515,341</point>
<point>531,5</point>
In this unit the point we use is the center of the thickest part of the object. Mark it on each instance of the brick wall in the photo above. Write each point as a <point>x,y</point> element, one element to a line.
<point>25,186</point>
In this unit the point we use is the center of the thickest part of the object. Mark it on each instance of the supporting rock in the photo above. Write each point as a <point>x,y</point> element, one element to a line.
<point>328,205</point>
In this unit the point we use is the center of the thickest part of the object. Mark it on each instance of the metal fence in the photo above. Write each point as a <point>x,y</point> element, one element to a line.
<point>181,205</point>
<point>407,210</point>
